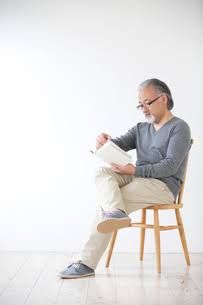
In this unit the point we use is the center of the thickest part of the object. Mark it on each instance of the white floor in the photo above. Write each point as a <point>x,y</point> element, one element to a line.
<point>31,279</point>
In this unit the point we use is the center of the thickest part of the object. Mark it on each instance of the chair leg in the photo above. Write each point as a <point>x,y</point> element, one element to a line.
<point>182,236</point>
<point>157,240</point>
<point>110,249</point>
<point>142,234</point>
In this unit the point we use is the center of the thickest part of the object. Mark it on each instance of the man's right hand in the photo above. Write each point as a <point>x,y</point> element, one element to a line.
<point>102,139</point>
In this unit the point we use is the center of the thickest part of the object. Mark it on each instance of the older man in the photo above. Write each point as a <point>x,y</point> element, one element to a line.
<point>162,144</point>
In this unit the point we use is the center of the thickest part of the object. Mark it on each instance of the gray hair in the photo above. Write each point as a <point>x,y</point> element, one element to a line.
<point>160,87</point>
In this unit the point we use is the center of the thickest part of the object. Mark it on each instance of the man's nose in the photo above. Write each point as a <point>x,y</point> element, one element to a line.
<point>145,110</point>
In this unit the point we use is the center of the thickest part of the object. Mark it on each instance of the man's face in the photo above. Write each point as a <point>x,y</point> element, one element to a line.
<point>155,111</point>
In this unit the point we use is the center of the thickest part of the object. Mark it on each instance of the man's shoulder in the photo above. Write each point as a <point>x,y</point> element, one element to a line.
<point>180,123</point>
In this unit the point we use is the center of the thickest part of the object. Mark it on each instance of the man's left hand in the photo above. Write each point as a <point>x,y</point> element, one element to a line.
<point>128,169</point>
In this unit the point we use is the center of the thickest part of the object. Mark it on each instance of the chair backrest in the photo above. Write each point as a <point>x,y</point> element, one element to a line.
<point>180,195</point>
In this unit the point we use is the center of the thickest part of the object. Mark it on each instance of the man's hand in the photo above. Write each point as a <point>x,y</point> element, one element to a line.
<point>102,139</point>
<point>128,169</point>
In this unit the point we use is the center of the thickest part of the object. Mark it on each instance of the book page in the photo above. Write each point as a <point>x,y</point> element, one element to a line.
<point>111,153</point>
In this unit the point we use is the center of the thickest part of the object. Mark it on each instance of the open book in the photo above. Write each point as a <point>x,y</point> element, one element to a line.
<point>112,153</point>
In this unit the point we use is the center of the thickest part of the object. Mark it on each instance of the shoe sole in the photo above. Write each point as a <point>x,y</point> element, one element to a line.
<point>113,224</point>
<point>75,276</point>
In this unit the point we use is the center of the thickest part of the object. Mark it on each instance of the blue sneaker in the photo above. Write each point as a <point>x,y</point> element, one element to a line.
<point>113,221</point>
<point>76,270</point>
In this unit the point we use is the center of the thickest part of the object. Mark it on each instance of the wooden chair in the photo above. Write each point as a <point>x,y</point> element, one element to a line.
<point>157,228</point>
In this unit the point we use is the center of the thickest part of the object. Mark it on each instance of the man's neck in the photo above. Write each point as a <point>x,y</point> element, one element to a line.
<point>167,117</point>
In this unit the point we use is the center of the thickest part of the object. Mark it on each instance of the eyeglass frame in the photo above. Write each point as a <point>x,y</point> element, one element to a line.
<point>140,106</point>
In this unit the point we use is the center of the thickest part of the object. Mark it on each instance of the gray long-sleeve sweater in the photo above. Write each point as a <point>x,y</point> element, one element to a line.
<point>161,154</point>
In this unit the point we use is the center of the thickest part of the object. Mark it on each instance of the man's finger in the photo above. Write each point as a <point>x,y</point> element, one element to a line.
<point>102,140</point>
<point>115,164</point>
<point>115,169</point>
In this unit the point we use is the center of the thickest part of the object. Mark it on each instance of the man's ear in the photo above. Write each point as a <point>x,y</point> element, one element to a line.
<point>165,99</point>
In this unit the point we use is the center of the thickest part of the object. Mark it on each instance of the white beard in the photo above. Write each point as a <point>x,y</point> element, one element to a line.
<point>150,119</point>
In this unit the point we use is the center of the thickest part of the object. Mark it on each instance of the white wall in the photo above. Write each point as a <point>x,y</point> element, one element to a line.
<point>69,70</point>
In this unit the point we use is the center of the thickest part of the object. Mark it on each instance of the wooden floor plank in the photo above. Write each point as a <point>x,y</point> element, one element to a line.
<point>32,279</point>
<point>196,271</point>
<point>184,289</point>
<point>101,288</point>
<point>47,288</point>
<point>73,291</point>
<point>10,264</point>
<point>22,284</point>
<point>181,279</point>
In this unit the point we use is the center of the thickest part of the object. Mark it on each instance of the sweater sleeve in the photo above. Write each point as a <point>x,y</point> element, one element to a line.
<point>178,147</point>
<point>128,140</point>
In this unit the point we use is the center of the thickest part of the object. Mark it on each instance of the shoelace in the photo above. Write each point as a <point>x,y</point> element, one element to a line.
<point>107,213</point>
<point>76,265</point>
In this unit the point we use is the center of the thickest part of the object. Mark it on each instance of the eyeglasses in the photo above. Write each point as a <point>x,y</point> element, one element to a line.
<point>147,104</point>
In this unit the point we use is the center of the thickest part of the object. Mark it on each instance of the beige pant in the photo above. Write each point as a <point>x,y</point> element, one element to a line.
<point>125,192</point>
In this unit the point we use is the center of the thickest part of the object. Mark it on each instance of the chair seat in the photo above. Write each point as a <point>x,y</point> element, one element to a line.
<point>165,206</point>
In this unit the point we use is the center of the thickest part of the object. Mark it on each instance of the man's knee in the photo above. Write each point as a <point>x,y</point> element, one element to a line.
<point>102,171</point>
